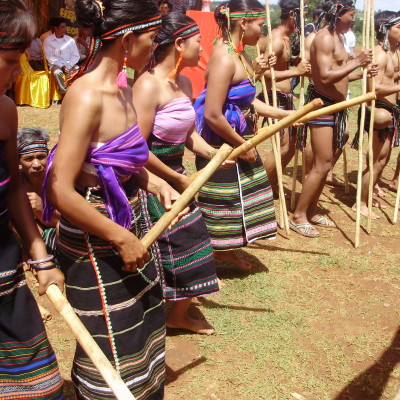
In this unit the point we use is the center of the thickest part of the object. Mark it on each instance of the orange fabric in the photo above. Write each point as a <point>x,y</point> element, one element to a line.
<point>208,32</point>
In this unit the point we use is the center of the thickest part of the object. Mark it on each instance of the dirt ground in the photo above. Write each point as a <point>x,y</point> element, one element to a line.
<point>316,319</point>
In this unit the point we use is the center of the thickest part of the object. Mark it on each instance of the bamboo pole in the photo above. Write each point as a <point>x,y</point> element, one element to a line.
<point>278,161</point>
<point>361,130</point>
<point>345,176</point>
<point>274,147</point>
<point>371,123</point>
<point>91,348</point>
<point>301,103</point>
<point>80,332</point>
<point>397,203</point>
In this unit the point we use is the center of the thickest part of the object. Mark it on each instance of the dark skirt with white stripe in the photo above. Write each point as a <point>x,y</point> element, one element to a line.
<point>186,251</point>
<point>28,365</point>
<point>123,311</point>
<point>237,203</point>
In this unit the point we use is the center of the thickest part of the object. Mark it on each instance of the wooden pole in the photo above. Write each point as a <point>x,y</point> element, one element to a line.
<point>91,348</point>
<point>361,131</point>
<point>278,161</point>
<point>301,103</point>
<point>371,122</point>
<point>397,203</point>
<point>274,147</point>
<point>345,176</point>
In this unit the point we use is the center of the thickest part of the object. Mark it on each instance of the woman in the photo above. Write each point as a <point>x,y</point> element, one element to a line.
<point>166,119</point>
<point>237,204</point>
<point>27,361</point>
<point>112,282</point>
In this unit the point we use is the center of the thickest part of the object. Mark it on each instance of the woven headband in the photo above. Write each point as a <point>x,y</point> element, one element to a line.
<point>336,10</point>
<point>250,15</point>
<point>184,33</point>
<point>96,41</point>
<point>33,147</point>
<point>384,29</point>
<point>14,44</point>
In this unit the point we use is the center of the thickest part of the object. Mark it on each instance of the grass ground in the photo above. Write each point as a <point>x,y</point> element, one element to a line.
<point>316,318</point>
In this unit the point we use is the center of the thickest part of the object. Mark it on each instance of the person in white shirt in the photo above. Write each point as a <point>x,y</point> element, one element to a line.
<point>349,42</point>
<point>61,53</point>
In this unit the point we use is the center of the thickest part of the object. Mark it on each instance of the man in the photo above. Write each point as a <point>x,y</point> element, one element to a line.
<point>165,7</point>
<point>32,152</point>
<point>61,53</point>
<point>387,27</point>
<point>331,74</point>
<point>281,46</point>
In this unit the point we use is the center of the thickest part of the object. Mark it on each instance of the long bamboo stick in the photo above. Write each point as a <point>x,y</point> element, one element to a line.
<point>397,203</point>
<point>345,176</point>
<point>278,160</point>
<point>301,103</point>
<point>274,147</point>
<point>371,123</point>
<point>80,332</point>
<point>361,130</point>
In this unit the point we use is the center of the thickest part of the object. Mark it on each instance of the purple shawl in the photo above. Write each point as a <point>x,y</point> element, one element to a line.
<point>121,156</point>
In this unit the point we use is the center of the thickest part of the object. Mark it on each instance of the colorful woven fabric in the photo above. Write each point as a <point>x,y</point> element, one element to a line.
<point>239,96</point>
<point>28,365</point>
<point>236,203</point>
<point>122,311</point>
<point>187,256</point>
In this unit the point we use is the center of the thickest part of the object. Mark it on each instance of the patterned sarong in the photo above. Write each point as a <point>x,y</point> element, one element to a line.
<point>28,365</point>
<point>123,311</point>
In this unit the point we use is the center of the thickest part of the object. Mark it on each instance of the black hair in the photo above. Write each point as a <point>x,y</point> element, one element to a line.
<point>171,22</point>
<point>317,12</point>
<point>383,16</point>
<point>165,2</point>
<point>57,21</point>
<point>30,134</point>
<point>329,3</point>
<point>17,25</point>
<point>236,5</point>
<point>287,6</point>
<point>115,14</point>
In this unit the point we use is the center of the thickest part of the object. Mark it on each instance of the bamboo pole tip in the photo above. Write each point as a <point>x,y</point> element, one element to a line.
<point>318,103</point>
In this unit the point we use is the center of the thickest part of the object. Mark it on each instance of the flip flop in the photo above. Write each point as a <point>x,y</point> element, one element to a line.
<point>303,229</point>
<point>325,222</point>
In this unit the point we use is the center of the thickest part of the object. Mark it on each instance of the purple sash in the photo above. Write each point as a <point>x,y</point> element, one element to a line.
<point>121,156</point>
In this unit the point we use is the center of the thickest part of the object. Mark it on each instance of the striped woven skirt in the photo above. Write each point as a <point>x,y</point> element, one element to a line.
<point>186,251</point>
<point>123,311</point>
<point>28,365</point>
<point>237,203</point>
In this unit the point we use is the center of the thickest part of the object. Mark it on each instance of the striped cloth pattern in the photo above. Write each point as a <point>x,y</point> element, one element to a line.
<point>28,365</point>
<point>123,311</point>
<point>186,251</point>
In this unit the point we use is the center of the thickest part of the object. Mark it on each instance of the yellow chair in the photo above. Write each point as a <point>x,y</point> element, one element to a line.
<point>32,87</point>
<point>55,95</point>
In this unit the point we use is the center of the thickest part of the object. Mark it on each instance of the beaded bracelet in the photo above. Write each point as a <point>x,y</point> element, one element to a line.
<point>37,262</point>
<point>45,267</point>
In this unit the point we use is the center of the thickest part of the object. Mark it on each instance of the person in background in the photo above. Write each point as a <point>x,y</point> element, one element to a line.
<point>165,7</point>
<point>35,54</point>
<point>349,42</point>
<point>61,53</point>
<point>83,43</point>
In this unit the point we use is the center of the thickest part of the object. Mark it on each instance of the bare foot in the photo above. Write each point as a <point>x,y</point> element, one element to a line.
<point>190,324</point>
<point>233,258</point>
<point>376,204</point>
<point>364,211</point>
<point>221,284</point>
<point>393,185</point>
<point>378,191</point>
<point>332,181</point>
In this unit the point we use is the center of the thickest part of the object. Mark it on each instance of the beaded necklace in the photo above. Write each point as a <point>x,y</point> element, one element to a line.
<point>232,49</point>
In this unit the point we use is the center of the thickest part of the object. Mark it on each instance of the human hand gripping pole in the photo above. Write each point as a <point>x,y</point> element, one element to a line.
<point>84,338</point>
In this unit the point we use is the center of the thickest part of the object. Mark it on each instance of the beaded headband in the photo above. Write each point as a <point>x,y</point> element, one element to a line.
<point>14,44</point>
<point>33,147</point>
<point>184,33</point>
<point>384,29</point>
<point>336,10</point>
<point>96,44</point>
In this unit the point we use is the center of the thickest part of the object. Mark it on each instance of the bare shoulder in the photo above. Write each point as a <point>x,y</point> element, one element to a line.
<point>262,42</point>
<point>324,40</point>
<point>8,117</point>
<point>381,56</point>
<point>221,59</point>
<point>148,83</point>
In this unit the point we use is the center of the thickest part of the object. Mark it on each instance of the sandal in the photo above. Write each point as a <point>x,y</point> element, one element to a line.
<point>304,229</point>
<point>325,222</point>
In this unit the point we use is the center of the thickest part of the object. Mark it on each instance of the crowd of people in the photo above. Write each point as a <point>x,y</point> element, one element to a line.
<point>75,215</point>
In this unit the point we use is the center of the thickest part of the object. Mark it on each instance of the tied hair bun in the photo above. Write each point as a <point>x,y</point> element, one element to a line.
<point>89,14</point>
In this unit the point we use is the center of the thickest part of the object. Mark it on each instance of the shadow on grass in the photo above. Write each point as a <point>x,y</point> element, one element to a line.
<point>260,246</point>
<point>172,376</point>
<point>370,384</point>
<point>213,304</point>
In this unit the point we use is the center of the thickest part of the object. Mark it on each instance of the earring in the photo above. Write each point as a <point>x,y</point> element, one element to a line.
<point>122,79</point>
<point>240,46</point>
<point>172,74</point>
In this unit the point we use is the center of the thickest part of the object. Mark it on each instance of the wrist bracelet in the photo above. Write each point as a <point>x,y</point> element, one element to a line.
<point>36,262</point>
<point>45,267</point>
